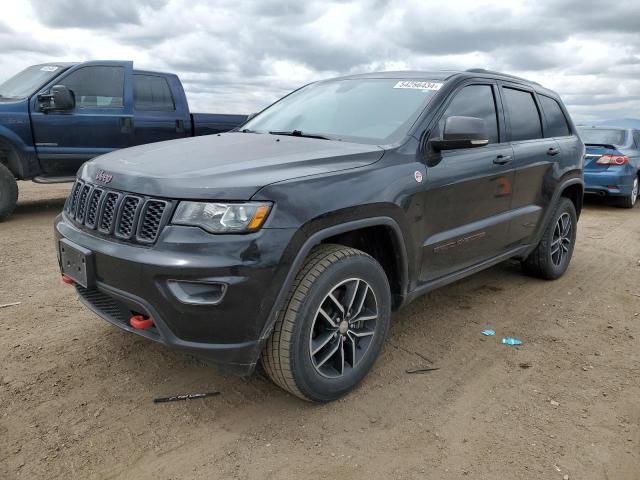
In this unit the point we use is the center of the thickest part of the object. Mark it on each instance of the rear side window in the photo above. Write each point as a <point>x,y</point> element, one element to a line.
<point>636,138</point>
<point>152,93</point>
<point>557,125</point>
<point>524,117</point>
<point>96,87</point>
<point>474,101</point>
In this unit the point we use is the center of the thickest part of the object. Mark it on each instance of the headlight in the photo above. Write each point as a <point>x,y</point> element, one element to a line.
<point>222,217</point>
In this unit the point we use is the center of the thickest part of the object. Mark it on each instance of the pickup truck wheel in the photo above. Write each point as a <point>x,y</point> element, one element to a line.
<point>629,201</point>
<point>551,257</point>
<point>8,192</point>
<point>332,327</point>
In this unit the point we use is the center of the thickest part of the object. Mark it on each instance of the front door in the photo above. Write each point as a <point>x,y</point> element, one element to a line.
<point>101,121</point>
<point>468,191</point>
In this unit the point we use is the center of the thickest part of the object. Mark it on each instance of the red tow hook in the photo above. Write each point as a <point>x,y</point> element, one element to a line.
<point>67,279</point>
<point>140,322</point>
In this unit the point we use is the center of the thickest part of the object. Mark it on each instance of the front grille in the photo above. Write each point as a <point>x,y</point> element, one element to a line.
<point>128,217</point>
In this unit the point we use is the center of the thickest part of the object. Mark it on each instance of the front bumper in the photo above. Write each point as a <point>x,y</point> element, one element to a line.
<point>612,181</point>
<point>132,279</point>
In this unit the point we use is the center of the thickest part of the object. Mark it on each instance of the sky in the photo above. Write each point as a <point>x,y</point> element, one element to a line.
<point>239,56</point>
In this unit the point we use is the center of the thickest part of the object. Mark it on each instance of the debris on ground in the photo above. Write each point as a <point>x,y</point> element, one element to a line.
<point>554,403</point>
<point>525,365</point>
<point>511,341</point>
<point>5,305</point>
<point>422,369</point>
<point>488,332</point>
<point>188,396</point>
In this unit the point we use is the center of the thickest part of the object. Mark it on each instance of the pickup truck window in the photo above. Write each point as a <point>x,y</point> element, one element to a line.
<point>151,92</point>
<point>28,81</point>
<point>474,101</point>
<point>557,125</point>
<point>96,86</point>
<point>364,110</point>
<point>524,117</point>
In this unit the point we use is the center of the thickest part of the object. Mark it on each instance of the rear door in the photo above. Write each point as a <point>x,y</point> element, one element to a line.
<point>158,114</point>
<point>468,191</point>
<point>100,122</point>
<point>534,156</point>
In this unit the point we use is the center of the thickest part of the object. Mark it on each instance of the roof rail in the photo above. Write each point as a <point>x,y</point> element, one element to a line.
<point>493,72</point>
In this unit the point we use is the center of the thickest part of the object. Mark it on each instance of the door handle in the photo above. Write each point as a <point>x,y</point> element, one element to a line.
<point>502,159</point>
<point>553,151</point>
<point>126,124</point>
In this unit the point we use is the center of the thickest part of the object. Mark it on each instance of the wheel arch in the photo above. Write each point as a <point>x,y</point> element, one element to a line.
<point>397,271</point>
<point>10,157</point>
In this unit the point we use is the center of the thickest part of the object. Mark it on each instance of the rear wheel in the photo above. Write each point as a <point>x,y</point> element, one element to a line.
<point>333,325</point>
<point>8,192</point>
<point>629,201</point>
<point>551,257</point>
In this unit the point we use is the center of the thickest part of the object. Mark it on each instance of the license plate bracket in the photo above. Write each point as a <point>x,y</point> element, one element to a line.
<point>77,262</point>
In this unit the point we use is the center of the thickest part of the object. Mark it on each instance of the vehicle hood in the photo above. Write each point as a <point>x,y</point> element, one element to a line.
<point>228,166</point>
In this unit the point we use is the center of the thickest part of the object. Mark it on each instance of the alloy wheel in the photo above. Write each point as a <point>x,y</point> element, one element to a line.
<point>343,328</point>
<point>561,241</point>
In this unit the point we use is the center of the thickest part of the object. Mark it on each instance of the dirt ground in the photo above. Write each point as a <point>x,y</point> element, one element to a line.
<point>76,393</point>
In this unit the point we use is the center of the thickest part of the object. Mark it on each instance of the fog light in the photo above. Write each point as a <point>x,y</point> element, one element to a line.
<point>197,293</point>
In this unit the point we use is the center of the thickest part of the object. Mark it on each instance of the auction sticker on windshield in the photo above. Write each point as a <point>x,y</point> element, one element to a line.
<point>49,68</point>
<point>418,85</point>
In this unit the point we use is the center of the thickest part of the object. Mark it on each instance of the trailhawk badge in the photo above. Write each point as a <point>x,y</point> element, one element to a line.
<point>103,177</point>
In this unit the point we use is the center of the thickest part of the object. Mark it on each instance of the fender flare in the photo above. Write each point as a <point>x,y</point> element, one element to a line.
<point>15,164</point>
<point>315,239</point>
<point>554,200</point>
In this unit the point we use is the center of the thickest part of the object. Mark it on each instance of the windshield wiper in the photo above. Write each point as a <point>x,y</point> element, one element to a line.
<point>299,133</point>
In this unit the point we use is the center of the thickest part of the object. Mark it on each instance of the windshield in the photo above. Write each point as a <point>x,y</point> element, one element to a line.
<point>28,81</point>
<point>602,136</point>
<point>365,110</point>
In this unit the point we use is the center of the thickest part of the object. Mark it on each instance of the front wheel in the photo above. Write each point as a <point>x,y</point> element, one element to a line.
<point>8,192</point>
<point>629,201</point>
<point>333,325</point>
<point>551,257</point>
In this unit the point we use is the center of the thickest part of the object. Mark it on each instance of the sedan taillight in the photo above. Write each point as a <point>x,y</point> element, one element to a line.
<point>609,159</point>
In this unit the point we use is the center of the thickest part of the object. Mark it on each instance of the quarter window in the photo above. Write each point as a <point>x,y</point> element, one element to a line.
<point>97,87</point>
<point>524,118</point>
<point>474,101</point>
<point>557,125</point>
<point>151,92</point>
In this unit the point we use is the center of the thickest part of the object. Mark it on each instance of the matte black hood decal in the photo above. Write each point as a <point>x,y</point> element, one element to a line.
<point>229,166</point>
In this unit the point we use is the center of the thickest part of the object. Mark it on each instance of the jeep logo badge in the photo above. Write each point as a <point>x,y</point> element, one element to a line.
<point>103,177</point>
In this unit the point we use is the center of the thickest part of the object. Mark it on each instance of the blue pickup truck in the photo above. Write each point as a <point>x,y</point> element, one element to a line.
<point>56,116</point>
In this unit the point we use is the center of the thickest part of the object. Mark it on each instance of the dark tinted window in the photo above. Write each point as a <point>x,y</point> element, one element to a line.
<point>557,125</point>
<point>152,93</point>
<point>602,136</point>
<point>97,86</point>
<point>523,115</point>
<point>474,101</point>
<point>636,139</point>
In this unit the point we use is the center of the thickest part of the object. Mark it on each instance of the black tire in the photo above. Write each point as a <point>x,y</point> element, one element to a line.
<point>543,262</point>
<point>629,201</point>
<point>8,192</point>
<point>288,358</point>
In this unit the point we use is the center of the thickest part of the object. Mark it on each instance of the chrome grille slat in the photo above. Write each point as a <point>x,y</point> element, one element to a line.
<point>128,217</point>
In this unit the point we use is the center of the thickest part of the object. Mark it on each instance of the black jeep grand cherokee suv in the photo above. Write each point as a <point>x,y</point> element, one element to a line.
<point>293,238</point>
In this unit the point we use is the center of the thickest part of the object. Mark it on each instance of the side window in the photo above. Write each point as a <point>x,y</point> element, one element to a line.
<point>152,93</point>
<point>557,125</point>
<point>636,138</point>
<point>97,87</point>
<point>474,101</point>
<point>524,117</point>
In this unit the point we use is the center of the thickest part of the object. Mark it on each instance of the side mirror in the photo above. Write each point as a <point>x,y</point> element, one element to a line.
<point>59,98</point>
<point>462,132</point>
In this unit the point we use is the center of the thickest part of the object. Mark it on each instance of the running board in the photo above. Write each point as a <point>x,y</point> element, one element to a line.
<point>55,179</point>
